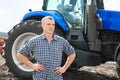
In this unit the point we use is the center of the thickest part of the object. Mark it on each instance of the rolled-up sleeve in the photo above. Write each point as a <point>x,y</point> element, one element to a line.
<point>26,48</point>
<point>68,49</point>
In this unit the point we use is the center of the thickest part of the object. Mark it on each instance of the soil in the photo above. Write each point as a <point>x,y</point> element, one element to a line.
<point>105,71</point>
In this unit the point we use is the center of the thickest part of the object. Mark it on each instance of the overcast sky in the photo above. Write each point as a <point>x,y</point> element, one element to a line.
<point>12,11</point>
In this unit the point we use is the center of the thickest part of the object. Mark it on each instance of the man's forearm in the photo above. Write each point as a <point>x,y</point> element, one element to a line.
<point>25,60</point>
<point>69,60</point>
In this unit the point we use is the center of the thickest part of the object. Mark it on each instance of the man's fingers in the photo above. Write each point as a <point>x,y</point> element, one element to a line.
<point>39,67</point>
<point>58,71</point>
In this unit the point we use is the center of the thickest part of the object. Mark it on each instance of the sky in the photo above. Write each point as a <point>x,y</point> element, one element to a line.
<point>12,11</point>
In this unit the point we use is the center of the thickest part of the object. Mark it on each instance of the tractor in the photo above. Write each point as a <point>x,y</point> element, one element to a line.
<point>93,31</point>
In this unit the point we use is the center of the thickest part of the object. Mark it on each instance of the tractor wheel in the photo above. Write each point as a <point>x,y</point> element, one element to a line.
<point>118,64</point>
<point>21,33</point>
<point>17,37</point>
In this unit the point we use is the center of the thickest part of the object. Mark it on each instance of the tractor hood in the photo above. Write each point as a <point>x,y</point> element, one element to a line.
<point>110,19</point>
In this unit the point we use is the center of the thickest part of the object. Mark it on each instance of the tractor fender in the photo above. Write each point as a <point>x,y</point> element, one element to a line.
<point>55,14</point>
<point>117,52</point>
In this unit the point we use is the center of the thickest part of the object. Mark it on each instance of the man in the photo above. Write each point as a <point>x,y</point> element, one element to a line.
<point>47,49</point>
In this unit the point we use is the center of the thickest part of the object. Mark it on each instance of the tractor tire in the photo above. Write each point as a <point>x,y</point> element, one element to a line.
<point>17,37</point>
<point>118,64</point>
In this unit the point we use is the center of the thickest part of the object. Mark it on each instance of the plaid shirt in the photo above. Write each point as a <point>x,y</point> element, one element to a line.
<point>47,54</point>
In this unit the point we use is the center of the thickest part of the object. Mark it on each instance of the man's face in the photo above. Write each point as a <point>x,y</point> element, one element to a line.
<point>48,26</point>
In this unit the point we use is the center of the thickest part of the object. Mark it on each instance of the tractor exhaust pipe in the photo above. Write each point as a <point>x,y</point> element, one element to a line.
<point>93,42</point>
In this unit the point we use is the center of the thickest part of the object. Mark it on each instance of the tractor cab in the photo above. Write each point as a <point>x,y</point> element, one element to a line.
<point>71,10</point>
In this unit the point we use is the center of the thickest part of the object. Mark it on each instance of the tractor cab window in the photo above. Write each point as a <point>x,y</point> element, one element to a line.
<point>72,10</point>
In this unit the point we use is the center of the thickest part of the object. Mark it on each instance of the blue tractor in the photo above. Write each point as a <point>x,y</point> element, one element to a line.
<point>93,31</point>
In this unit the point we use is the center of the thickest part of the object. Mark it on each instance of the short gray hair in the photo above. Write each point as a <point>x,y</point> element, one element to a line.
<point>46,17</point>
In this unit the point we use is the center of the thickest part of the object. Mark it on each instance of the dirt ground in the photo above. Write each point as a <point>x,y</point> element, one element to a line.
<point>105,71</point>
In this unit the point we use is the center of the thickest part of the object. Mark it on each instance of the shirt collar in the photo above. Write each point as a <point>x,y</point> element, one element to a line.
<point>43,36</point>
